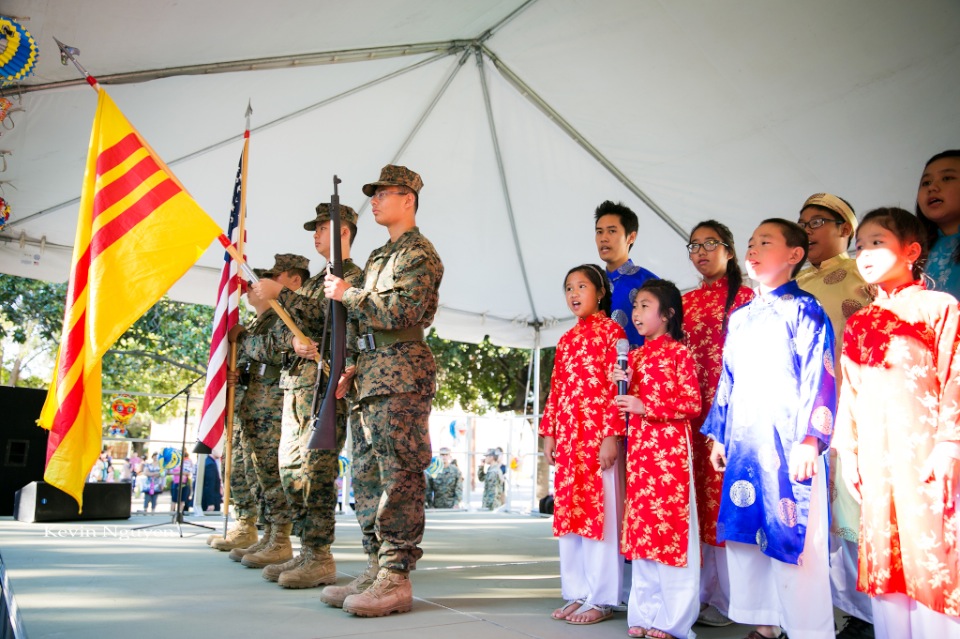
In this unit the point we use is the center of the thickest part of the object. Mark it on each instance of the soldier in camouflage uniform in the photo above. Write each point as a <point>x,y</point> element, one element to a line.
<point>396,382</point>
<point>260,412</point>
<point>309,476</point>
<point>244,491</point>
<point>446,489</point>
<point>491,475</point>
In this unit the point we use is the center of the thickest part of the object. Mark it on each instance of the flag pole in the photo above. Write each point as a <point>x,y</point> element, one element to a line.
<point>231,390</point>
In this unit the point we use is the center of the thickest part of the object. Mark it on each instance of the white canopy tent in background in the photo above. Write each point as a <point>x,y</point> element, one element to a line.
<point>521,116</point>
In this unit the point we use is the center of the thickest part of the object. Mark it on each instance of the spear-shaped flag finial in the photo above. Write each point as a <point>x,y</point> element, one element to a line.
<point>70,53</point>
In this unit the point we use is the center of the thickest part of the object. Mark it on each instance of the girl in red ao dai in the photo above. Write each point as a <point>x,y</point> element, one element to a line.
<point>898,435</point>
<point>582,432</point>
<point>660,530</point>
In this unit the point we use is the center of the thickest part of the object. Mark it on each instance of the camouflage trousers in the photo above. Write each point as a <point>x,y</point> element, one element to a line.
<point>244,490</point>
<point>391,449</point>
<point>309,476</point>
<point>261,429</point>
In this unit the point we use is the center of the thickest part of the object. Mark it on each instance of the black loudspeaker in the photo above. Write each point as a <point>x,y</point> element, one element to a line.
<point>39,501</point>
<point>23,444</point>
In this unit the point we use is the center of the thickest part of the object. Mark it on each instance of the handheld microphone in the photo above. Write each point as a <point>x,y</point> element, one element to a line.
<point>623,347</point>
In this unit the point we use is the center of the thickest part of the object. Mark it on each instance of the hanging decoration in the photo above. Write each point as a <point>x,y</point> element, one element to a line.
<point>18,52</point>
<point>123,407</point>
<point>4,212</point>
<point>170,458</point>
<point>344,464</point>
<point>436,465</point>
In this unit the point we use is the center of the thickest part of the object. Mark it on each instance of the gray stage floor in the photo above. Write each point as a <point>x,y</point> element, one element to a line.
<point>482,576</point>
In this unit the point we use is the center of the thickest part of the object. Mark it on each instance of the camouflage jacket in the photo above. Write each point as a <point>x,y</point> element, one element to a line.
<point>492,479</point>
<point>446,489</point>
<point>263,397</point>
<point>261,341</point>
<point>308,309</point>
<point>401,284</point>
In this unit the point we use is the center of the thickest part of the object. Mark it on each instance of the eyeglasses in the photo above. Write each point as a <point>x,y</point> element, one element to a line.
<point>709,246</point>
<point>817,222</point>
<point>380,195</point>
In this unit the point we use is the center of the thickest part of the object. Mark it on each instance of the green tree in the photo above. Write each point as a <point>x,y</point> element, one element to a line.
<point>31,315</point>
<point>484,377</point>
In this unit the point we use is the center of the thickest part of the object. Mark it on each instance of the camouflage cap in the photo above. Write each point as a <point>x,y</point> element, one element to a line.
<point>393,175</point>
<point>323,214</point>
<point>283,262</point>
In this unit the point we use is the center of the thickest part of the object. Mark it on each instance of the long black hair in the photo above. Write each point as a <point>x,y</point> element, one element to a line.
<point>734,274</point>
<point>930,227</point>
<point>597,277</point>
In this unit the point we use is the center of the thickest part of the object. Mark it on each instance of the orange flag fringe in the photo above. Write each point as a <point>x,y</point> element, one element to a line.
<point>138,232</point>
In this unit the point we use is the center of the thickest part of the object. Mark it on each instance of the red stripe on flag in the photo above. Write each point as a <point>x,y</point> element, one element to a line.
<point>135,213</point>
<point>116,154</point>
<point>124,185</point>
<point>69,408</point>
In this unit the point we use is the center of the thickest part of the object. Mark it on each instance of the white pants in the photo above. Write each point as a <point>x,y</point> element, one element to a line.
<point>714,578</point>
<point>593,570</point>
<point>843,581</point>
<point>767,592</point>
<point>667,597</point>
<point>897,616</point>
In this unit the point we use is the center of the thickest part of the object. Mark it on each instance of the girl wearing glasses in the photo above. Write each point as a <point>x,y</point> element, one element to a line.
<point>705,313</point>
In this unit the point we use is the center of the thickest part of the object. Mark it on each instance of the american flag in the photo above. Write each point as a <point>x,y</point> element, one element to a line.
<point>225,316</point>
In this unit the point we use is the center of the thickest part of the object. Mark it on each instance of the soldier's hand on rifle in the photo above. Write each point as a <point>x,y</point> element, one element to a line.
<point>235,331</point>
<point>344,384</point>
<point>334,287</point>
<point>267,289</point>
<point>306,349</point>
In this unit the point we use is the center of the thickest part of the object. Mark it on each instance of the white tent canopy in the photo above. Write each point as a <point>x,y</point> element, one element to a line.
<point>520,116</point>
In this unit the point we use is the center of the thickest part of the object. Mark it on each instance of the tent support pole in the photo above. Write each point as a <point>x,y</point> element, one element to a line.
<point>526,91</point>
<point>257,129</point>
<point>534,506</point>
<point>423,118</point>
<point>503,185</point>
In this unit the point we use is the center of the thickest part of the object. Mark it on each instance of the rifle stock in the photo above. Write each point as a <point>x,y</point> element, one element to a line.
<point>324,435</point>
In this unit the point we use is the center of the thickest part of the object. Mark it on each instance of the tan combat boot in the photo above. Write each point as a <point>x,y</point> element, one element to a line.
<point>390,592</point>
<point>272,572</point>
<point>317,568</point>
<point>277,551</point>
<point>242,535</point>
<point>334,595</point>
<point>237,553</point>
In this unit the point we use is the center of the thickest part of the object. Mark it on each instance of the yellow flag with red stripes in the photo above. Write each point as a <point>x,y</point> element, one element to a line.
<point>138,232</point>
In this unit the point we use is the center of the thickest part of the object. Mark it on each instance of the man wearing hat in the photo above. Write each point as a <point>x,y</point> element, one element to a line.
<point>446,489</point>
<point>309,476</point>
<point>259,357</point>
<point>396,381</point>
<point>490,473</point>
<point>834,279</point>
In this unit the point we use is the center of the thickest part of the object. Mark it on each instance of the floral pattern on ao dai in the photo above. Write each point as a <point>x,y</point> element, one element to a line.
<point>900,397</point>
<point>580,412</point>
<point>703,326</point>
<point>656,522</point>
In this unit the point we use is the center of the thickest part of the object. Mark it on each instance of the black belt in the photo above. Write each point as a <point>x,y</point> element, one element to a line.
<point>263,370</point>
<point>379,339</point>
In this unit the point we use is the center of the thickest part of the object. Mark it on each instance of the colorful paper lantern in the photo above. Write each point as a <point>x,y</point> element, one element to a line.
<point>19,54</point>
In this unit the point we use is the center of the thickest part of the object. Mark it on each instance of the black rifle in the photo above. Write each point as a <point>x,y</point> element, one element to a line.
<point>324,421</point>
